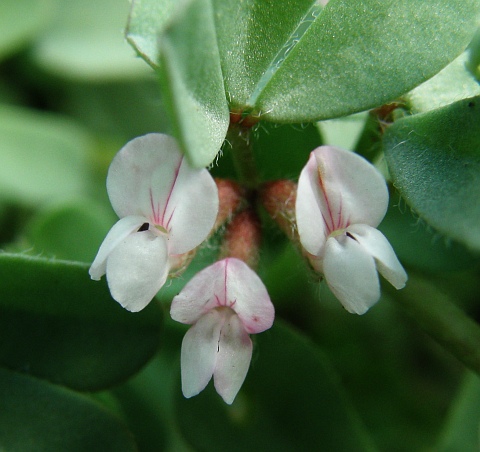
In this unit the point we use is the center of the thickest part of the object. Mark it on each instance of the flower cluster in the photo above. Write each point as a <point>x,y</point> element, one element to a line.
<point>167,209</point>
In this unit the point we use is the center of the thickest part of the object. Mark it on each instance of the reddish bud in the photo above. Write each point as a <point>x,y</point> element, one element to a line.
<point>242,238</point>
<point>230,197</point>
<point>278,198</point>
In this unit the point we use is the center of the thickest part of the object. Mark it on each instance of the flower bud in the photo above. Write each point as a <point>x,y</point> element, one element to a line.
<point>230,197</point>
<point>278,198</point>
<point>242,238</point>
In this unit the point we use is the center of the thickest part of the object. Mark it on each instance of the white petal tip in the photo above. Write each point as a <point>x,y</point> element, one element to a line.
<point>95,275</point>
<point>229,400</point>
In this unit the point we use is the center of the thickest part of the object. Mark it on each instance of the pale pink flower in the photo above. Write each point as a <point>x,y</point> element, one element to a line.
<point>225,303</point>
<point>166,208</point>
<point>341,199</point>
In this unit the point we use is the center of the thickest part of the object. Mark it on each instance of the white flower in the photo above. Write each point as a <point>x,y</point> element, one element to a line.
<point>225,303</point>
<point>341,199</point>
<point>166,208</point>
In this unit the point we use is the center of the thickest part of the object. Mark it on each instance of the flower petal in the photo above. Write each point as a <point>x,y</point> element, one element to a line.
<point>120,230</point>
<point>233,361</point>
<point>149,176</point>
<point>137,268</point>
<point>201,294</point>
<point>199,353</point>
<point>352,185</point>
<point>311,225</point>
<point>191,210</point>
<point>142,174</point>
<point>229,282</point>
<point>246,294</point>
<point>376,244</point>
<point>351,274</point>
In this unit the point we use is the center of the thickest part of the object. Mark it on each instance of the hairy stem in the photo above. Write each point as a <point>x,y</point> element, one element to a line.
<point>240,140</point>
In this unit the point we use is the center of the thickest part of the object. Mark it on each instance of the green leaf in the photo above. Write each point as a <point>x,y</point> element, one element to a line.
<point>463,421</point>
<point>290,401</point>
<point>357,55</point>
<point>39,416</point>
<point>434,160</point>
<point>418,246</point>
<point>57,324</point>
<point>85,42</point>
<point>43,157</point>
<point>450,85</point>
<point>146,21</point>
<point>20,21</point>
<point>253,36</point>
<point>52,230</point>
<point>192,82</point>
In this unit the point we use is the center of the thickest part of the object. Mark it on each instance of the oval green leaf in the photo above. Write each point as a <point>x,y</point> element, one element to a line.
<point>434,160</point>
<point>290,401</point>
<point>57,324</point>
<point>192,82</point>
<point>40,416</point>
<point>43,157</point>
<point>147,20</point>
<point>84,42</point>
<point>358,55</point>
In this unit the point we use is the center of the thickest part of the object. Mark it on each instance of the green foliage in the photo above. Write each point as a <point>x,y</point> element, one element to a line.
<point>192,82</point>
<point>37,415</point>
<point>54,323</point>
<point>21,21</point>
<point>320,378</point>
<point>345,58</point>
<point>51,231</point>
<point>434,159</point>
<point>43,157</point>
<point>70,46</point>
<point>461,432</point>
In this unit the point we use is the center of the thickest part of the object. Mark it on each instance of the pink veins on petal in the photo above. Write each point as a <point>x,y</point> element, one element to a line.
<point>160,220</point>
<point>336,221</point>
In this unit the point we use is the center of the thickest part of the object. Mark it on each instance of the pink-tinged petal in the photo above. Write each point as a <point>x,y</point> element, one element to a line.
<point>354,190</point>
<point>377,245</point>
<point>205,291</point>
<point>120,230</point>
<point>311,225</point>
<point>199,353</point>
<point>246,294</point>
<point>137,268</point>
<point>233,361</point>
<point>191,209</point>
<point>142,174</point>
<point>231,283</point>
<point>351,274</point>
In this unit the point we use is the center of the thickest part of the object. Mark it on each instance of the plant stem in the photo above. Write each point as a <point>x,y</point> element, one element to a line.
<point>442,320</point>
<point>242,151</point>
